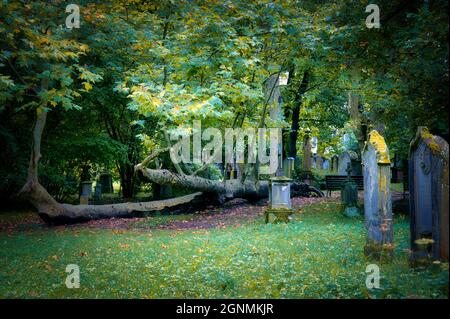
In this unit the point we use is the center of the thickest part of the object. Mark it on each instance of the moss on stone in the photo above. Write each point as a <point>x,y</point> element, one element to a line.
<point>378,142</point>
<point>430,140</point>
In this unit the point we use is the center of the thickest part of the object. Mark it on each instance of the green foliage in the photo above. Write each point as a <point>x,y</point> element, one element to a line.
<point>319,177</point>
<point>136,69</point>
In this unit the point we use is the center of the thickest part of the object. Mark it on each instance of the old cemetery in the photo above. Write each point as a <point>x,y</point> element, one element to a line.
<point>224,149</point>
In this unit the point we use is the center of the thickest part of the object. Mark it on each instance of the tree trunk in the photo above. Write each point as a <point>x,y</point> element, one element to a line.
<point>247,189</point>
<point>296,115</point>
<point>80,213</point>
<point>127,180</point>
<point>53,212</point>
<point>359,123</point>
<point>33,191</point>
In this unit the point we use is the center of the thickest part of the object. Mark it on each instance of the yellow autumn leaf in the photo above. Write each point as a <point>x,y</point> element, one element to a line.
<point>87,86</point>
<point>84,47</point>
<point>155,101</point>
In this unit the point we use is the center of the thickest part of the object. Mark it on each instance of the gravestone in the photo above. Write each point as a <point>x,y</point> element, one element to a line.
<point>306,160</point>
<point>280,206</point>
<point>334,163</point>
<point>288,167</point>
<point>349,196</point>
<point>98,192</point>
<point>377,197</point>
<point>319,162</point>
<point>86,190</point>
<point>344,160</point>
<point>428,187</point>
<point>352,158</point>
<point>326,164</point>
<point>106,182</point>
<point>397,170</point>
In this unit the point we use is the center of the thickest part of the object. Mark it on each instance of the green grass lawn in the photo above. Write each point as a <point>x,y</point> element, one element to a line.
<point>318,255</point>
<point>398,187</point>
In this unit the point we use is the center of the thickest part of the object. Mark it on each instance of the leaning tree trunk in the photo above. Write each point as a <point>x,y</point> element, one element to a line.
<point>53,212</point>
<point>33,191</point>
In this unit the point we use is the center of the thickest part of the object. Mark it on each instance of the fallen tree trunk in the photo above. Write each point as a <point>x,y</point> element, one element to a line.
<point>224,190</point>
<point>80,213</point>
<point>53,212</point>
<point>208,191</point>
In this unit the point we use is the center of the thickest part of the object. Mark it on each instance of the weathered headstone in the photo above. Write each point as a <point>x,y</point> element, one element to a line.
<point>352,158</point>
<point>428,187</point>
<point>98,192</point>
<point>86,190</point>
<point>344,160</point>
<point>377,196</point>
<point>326,164</point>
<point>106,182</point>
<point>334,163</point>
<point>306,160</point>
<point>397,170</point>
<point>279,200</point>
<point>288,167</point>
<point>319,162</point>
<point>349,196</point>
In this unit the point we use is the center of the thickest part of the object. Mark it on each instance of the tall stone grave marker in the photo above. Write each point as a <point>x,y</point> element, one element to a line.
<point>334,163</point>
<point>307,159</point>
<point>377,196</point>
<point>106,182</point>
<point>349,196</point>
<point>428,187</point>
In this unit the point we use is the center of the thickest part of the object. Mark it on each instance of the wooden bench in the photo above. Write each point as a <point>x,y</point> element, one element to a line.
<point>335,182</point>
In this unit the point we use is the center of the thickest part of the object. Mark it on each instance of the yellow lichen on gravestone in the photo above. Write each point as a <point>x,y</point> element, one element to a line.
<point>430,140</point>
<point>383,183</point>
<point>377,141</point>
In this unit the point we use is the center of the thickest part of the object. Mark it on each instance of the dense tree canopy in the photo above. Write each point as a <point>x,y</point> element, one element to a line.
<point>135,69</point>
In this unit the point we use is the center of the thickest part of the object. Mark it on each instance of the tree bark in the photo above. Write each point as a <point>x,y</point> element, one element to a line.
<point>80,213</point>
<point>296,115</point>
<point>247,189</point>
<point>359,122</point>
<point>127,180</point>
